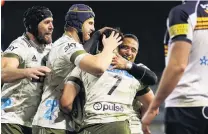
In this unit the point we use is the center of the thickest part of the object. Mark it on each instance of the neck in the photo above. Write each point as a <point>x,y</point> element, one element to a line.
<point>73,34</point>
<point>32,38</point>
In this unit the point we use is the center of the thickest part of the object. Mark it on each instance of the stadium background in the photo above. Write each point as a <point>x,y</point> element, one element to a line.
<point>145,19</point>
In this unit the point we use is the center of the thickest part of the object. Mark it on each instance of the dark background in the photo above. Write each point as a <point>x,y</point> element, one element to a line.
<point>145,19</point>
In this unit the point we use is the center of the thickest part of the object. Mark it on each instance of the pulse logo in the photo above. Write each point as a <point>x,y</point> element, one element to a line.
<point>108,107</point>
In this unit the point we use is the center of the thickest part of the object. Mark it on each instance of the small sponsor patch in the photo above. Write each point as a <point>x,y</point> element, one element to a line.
<point>11,48</point>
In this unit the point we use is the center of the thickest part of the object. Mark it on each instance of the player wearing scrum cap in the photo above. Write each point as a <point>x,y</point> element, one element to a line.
<point>23,68</point>
<point>67,53</point>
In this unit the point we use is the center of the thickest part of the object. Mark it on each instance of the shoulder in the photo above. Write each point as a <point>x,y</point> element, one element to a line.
<point>18,44</point>
<point>181,13</point>
<point>184,9</point>
<point>21,41</point>
<point>66,44</point>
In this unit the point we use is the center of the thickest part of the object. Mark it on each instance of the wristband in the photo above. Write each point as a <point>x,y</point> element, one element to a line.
<point>129,65</point>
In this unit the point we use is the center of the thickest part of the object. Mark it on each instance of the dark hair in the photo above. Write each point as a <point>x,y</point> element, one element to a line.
<point>131,36</point>
<point>107,33</point>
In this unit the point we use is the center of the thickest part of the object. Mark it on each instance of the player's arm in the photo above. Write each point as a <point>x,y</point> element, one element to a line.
<point>9,68</point>
<point>145,96</point>
<point>175,68</point>
<point>97,64</point>
<point>181,33</point>
<point>12,64</point>
<point>143,74</point>
<point>181,42</point>
<point>139,71</point>
<point>72,86</point>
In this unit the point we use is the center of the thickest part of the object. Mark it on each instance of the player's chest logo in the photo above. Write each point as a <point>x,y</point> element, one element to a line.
<point>34,58</point>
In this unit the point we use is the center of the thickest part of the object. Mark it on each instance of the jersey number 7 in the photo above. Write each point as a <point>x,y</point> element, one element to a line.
<point>119,78</point>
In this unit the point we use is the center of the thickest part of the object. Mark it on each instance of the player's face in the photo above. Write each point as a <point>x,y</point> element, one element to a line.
<point>129,49</point>
<point>45,30</point>
<point>88,28</point>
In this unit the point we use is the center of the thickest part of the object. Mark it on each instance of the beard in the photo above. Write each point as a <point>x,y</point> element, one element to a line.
<point>42,40</point>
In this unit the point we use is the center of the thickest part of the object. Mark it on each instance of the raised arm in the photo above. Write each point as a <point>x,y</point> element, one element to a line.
<point>95,64</point>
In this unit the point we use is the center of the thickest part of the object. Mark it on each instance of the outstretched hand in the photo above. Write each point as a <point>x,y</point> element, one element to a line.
<point>118,62</point>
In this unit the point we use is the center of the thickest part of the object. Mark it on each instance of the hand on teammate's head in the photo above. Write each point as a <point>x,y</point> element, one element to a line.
<point>110,33</point>
<point>111,42</point>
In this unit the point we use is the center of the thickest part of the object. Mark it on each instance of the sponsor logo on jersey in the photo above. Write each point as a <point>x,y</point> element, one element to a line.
<point>6,102</point>
<point>69,46</point>
<point>205,7</point>
<point>34,58</point>
<point>11,48</point>
<point>52,105</point>
<point>98,106</point>
<point>204,61</point>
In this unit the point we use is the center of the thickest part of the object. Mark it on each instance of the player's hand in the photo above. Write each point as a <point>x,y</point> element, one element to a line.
<point>103,29</point>
<point>147,120</point>
<point>35,73</point>
<point>118,62</point>
<point>112,42</point>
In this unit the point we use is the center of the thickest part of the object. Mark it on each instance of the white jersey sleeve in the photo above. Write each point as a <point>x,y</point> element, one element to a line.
<point>74,52</point>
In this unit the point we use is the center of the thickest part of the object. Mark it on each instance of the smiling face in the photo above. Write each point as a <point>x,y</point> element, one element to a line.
<point>129,48</point>
<point>45,30</point>
<point>87,28</point>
